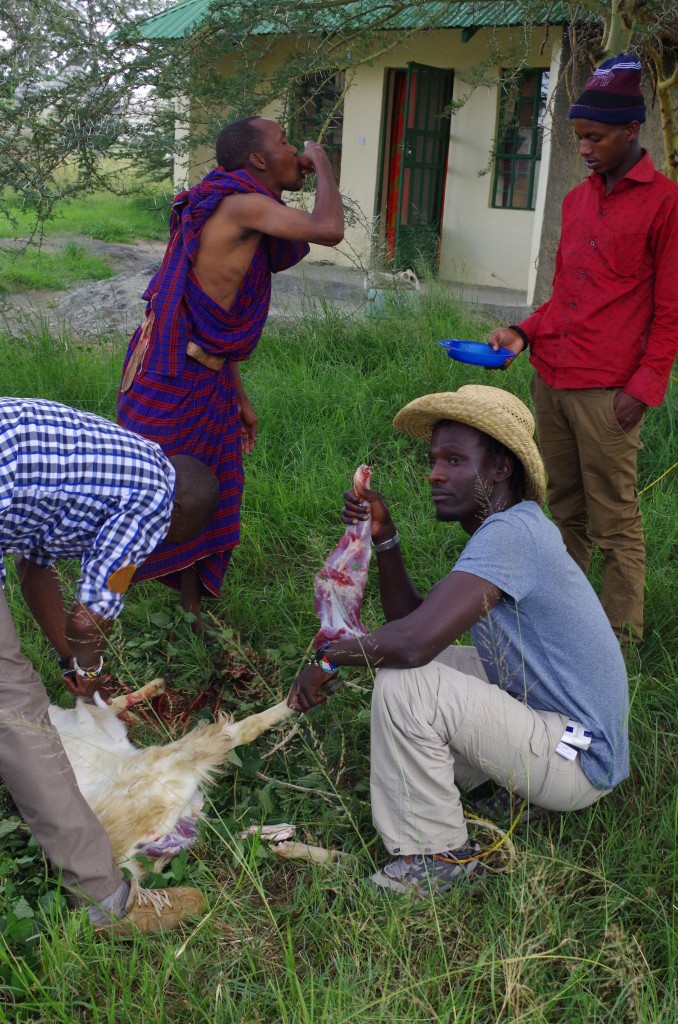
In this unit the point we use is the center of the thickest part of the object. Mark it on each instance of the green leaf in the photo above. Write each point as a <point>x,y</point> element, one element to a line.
<point>160,619</point>
<point>265,801</point>
<point>8,825</point>
<point>25,930</point>
<point>22,910</point>
<point>179,867</point>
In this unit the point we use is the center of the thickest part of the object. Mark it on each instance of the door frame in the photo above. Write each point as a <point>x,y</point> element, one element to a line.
<point>385,142</point>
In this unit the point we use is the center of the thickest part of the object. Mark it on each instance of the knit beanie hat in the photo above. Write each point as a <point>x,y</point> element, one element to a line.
<point>612,94</point>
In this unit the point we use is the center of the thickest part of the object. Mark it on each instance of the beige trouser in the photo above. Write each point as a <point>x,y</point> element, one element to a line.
<point>445,726</point>
<point>38,775</point>
<point>591,466</point>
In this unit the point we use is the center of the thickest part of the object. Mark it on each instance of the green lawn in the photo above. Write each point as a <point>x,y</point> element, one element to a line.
<point>110,218</point>
<point>578,926</point>
<point>31,269</point>
<point>106,217</point>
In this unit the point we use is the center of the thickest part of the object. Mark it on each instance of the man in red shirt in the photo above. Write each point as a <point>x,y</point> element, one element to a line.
<point>604,343</point>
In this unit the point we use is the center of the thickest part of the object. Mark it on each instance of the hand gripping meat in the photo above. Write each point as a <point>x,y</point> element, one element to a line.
<point>340,584</point>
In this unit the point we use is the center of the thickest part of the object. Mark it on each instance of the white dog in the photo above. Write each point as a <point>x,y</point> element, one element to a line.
<point>149,799</point>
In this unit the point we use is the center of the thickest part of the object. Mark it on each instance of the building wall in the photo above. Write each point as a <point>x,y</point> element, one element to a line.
<point>482,245</point>
<point>479,245</point>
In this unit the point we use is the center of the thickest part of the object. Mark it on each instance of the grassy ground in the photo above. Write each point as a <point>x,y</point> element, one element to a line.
<point>60,271</point>
<point>105,216</point>
<point>47,265</point>
<point>577,926</point>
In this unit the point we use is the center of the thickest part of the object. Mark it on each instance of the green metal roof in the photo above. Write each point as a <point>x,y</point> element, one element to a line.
<point>184,18</point>
<point>176,22</point>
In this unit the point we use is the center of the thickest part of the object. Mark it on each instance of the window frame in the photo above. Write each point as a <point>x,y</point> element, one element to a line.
<point>313,97</point>
<point>506,159</point>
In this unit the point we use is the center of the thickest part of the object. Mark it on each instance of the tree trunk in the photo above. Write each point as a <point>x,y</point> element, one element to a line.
<point>669,125</point>
<point>619,30</point>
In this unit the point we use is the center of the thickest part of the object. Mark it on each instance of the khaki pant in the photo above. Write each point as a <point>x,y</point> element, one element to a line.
<point>591,466</point>
<point>444,726</point>
<point>38,775</point>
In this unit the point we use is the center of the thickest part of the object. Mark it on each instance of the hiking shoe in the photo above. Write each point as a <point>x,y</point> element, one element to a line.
<point>432,872</point>
<point>154,910</point>
<point>506,808</point>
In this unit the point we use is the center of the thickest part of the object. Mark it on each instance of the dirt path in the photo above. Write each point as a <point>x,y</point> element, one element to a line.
<point>114,307</point>
<point>96,308</point>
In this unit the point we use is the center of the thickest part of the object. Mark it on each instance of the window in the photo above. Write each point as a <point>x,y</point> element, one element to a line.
<point>519,140</point>
<point>320,109</point>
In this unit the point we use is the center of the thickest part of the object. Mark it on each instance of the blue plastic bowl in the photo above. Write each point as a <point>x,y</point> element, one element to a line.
<point>475,352</point>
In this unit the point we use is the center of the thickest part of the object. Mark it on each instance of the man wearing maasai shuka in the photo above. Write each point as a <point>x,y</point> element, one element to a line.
<point>207,307</point>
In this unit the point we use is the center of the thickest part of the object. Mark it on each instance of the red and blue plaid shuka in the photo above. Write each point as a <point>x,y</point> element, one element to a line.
<point>182,405</point>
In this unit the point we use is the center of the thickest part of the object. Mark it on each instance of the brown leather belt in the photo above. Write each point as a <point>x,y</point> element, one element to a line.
<point>207,359</point>
<point>194,351</point>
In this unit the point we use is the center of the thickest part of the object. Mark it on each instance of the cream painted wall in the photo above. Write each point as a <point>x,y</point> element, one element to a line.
<point>479,245</point>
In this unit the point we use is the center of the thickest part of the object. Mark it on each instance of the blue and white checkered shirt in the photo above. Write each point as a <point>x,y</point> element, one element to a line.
<point>75,485</point>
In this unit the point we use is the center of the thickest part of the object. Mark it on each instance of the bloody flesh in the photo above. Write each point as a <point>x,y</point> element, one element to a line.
<point>340,584</point>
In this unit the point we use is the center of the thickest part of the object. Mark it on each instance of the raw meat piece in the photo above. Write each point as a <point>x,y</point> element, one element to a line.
<point>340,584</point>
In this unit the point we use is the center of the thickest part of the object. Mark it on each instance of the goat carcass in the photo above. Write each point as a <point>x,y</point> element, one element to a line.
<point>149,799</point>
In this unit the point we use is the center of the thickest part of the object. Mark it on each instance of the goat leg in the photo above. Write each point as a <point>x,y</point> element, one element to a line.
<point>251,728</point>
<point>303,851</point>
<point>124,701</point>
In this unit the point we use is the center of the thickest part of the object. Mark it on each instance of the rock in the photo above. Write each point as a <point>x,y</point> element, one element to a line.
<point>113,306</point>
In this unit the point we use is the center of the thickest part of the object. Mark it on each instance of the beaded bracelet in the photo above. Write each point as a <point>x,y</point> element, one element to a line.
<point>320,660</point>
<point>89,673</point>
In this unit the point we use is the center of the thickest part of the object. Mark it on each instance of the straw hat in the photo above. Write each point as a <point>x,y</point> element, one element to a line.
<point>492,410</point>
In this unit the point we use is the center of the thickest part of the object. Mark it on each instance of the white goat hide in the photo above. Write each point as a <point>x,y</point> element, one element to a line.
<point>140,794</point>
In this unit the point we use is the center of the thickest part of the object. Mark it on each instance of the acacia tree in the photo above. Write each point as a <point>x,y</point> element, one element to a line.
<point>79,81</point>
<point>651,27</point>
<point>66,97</point>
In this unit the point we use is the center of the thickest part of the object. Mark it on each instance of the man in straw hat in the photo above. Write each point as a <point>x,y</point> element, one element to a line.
<point>604,344</point>
<point>538,704</point>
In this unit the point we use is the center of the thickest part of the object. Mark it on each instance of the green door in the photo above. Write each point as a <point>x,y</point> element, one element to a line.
<point>418,185</point>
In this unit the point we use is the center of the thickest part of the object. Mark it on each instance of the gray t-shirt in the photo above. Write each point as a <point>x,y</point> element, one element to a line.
<point>548,641</point>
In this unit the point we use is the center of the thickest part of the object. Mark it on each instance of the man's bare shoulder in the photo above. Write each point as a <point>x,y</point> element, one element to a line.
<point>234,220</point>
<point>246,209</point>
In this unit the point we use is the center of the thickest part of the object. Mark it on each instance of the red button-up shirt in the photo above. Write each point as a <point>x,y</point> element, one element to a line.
<point>612,320</point>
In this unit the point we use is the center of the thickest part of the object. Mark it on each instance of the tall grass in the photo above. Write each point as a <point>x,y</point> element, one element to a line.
<point>577,926</point>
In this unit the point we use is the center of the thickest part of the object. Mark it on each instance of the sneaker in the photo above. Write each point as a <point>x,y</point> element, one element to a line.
<point>432,872</point>
<point>509,808</point>
<point>154,910</point>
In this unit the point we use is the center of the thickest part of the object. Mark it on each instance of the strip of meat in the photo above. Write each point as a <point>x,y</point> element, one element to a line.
<point>340,584</point>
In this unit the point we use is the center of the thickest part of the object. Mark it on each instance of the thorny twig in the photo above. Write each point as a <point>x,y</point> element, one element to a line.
<point>298,789</point>
<point>281,743</point>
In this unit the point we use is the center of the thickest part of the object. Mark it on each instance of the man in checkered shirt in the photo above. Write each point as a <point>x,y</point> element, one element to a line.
<point>75,485</point>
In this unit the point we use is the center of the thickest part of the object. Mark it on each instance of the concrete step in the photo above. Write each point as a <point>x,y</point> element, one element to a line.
<point>310,285</point>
